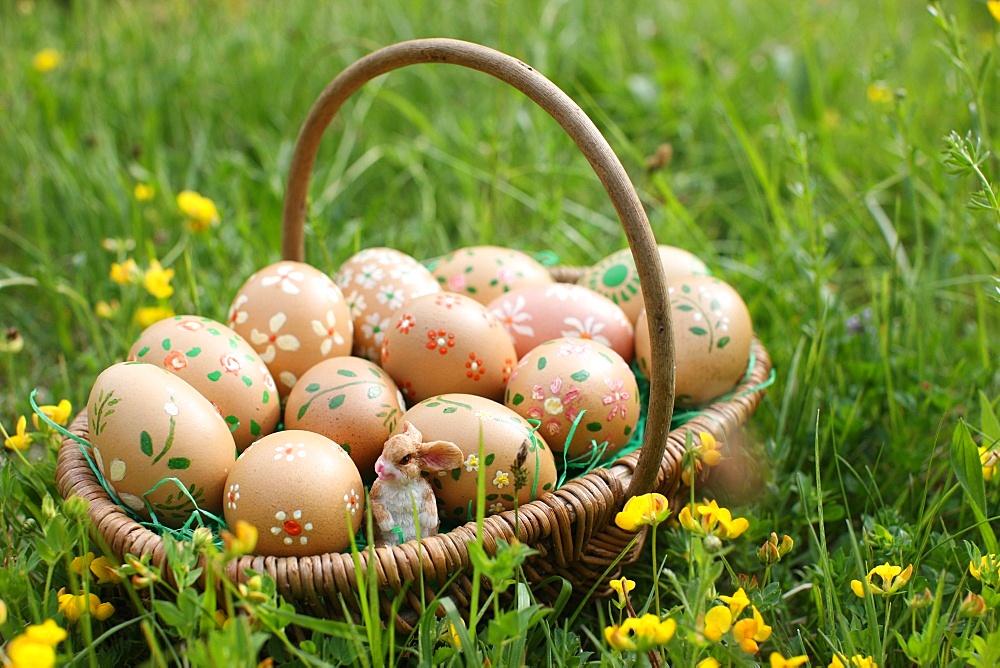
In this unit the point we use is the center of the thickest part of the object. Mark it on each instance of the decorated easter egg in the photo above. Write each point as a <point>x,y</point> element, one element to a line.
<point>300,490</point>
<point>486,272</point>
<point>444,343</point>
<point>376,282</point>
<point>712,335</point>
<point>221,365</point>
<point>517,464</point>
<point>294,316</point>
<point>617,278</point>
<point>351,401</point>
<point>536,314</point>
<point>583,394</point>
<point>159,445</point>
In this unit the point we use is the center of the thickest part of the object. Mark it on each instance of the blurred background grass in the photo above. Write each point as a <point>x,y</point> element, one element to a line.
<point>796,147</point>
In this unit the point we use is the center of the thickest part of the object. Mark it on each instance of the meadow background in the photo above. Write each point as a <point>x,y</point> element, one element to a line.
<point>833,161</point>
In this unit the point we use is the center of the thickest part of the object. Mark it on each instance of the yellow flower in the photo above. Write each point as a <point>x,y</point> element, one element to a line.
<point>988,570</point>
<point>58,414</point>
<point>243,541</point>
<point>75,607</point>
<point>706,452</point>
<point>200,211</point>
<point>750,631</point>
<point>46,60</point>
<point>737,602</point>
<point>718,620</point>
<point>994,7</point>
<point>856,661</point>
<point>779,661</point>
<point>708,519</point>
<point>106,310</point>
<point>35,648</point>
<point>893,578</point>
<point>148,315</point>
<point>80,565</point>
<point>623,586</point>
<point>20,440</point>
<point>143,192</point>
<point>772,551</point>
<point>640,634</point>
<point>104,571</point>
<point>988,455</point>
<point>879,93</point>
<point>974,605</point>
<point>3,612</point>
<point>709,662</point>
<point>642,510</point>
<point>125,273</point>
<point>156,280</point>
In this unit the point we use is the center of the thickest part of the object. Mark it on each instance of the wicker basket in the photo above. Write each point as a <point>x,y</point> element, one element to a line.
<point>573,527</point>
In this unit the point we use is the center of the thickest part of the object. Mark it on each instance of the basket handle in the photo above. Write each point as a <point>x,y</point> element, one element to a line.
<point>589,140</point>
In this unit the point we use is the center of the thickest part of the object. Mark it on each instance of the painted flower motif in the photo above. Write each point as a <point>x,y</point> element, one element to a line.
<point>474,367</point>
<point>190,325</point>
<point>471,463</point>
<point>292,526</point>
<point>170,408</point>
<point>514,318</point>
<point>374,328</point>
<point>554,404</point>
<point>357,303</point>
<point>237,316</point>
<point>231,363</point>
<point>440,340</point>
<point>287,278</point>
<point>406,323</point>
<point>289,451</point>
<point>288,379</point>
<point>494,508</point>
<point>507,370</point>
<point>456,282</point>
<point>175,361</point>
<point>117,470</point>
<point>484,415</point>
<point>353,501</point>
<point>501,479</point>
<point>505,276</point>
<point>388,294</point>
<point>447,300</point>
<point>369,276</point>
<point>232,496</point>
<point>573,348</point>
<point>273,340</point>
<point>616,398</point>
<point>328,331</point>
<point>344,278</point>
<point>588,328</point>
<point>268,378</point>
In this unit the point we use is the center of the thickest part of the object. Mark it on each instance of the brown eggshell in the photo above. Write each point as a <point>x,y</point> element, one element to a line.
<point>376,283</point>
<point>221,365</point>
<point>445,343</point>
<point>294,316</point>
<point>712,335</point>
<point>300,490</point>
<point>536,314</point>
<point>148,425</point>
<point>351,401</point>
<point>461,418</point>
<point>617,278</point>
<point>561,379</point>
<point>486,272</point>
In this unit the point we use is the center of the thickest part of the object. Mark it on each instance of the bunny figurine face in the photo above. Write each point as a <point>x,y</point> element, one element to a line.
<point>405,455</point>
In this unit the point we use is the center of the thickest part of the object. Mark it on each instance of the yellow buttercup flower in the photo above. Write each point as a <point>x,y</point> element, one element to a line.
<point>856,661</point>
<point>148,315</point>
<point>879,93</point>
<point>35,648</point>
<point>59,413</point>
<point>80,565</point>
<point>750,631</point>
<point>639,511</point>
<point>893,578</point>
<point>707,452</point>
<point>75,607</point>
<point>143,192</point>
<point>779,661</point>
<point>21,440</point>
<point>994,7</point>
<point>156,280</point>
<point>125,273</point>
<point>241,541</point>
<point>718,620</point>
<point>106,310</point>
<point>623,586</point>
<point>737,602</point>
<point>989,456</point>
<point>200,211</point>
<point>987,570</point>
<point>709,519</point>
<point>105,572</point>
<point>3,612</point>
<point>640,634</point>
<point>709,662</point>
<point>46,60</point>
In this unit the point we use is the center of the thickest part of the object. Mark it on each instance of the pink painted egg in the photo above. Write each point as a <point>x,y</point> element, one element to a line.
<point>617,278</point>
<point>376,283</point>
<point>444,343</point>
<point>294,316</point>
<point>486,272</point>
<point>575,382</point>
<point>221,365</point>
<point>712,334</point>
<point>300,490</point>
<point>536,314</point>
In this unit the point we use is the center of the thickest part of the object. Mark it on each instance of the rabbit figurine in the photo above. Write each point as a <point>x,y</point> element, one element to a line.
<point>400,486</point>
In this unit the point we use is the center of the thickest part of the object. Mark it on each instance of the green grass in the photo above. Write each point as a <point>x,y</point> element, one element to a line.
<point>840,217</point>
